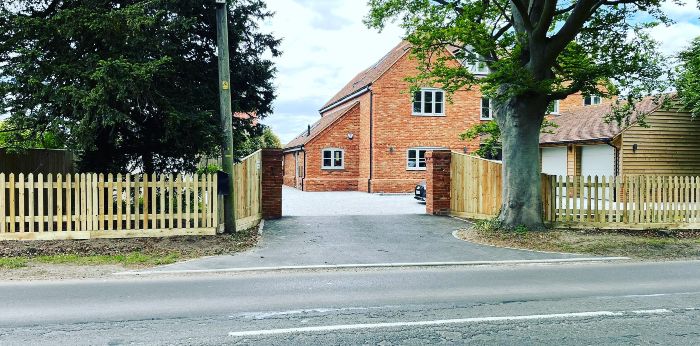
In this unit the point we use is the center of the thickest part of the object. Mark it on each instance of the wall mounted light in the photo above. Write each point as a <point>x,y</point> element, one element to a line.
<point>634,148</point>
<point>466,150</point>
<point>391,149</point>
<point>350,135</point>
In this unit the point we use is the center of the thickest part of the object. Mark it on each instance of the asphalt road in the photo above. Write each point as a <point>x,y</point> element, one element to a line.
<point>594,303</point>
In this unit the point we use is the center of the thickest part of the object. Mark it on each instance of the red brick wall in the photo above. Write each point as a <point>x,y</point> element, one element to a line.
<point>336,136</point>
<point>437,198</point>
<point>272,179</point>
<point>396,129</point>
<point>289,172</point>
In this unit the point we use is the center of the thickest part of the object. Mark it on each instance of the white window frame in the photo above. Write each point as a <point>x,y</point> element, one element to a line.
<point>423,92</point>
<point>481,108</point>
<point>477,67</point>
<point>555,107</point>
<point>417,150</point>
<point>332,166</point>
<point>593,98</point>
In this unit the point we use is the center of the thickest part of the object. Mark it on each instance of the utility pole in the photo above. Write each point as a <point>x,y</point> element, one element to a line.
<point>226,113</point>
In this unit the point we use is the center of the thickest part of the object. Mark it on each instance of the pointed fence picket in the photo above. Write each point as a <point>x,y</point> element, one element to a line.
<point>633,201</point>
<point>112,206</point>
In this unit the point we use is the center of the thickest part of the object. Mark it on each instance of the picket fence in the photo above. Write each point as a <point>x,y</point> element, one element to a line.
<point>83,206</point>
<point>638,201</point>
<point>622,202</point>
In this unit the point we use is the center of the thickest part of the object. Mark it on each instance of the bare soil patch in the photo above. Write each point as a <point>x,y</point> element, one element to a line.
<point>643,245</point>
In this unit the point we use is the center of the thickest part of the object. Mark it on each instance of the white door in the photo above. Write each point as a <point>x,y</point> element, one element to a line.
<point>597,160</point>
<point>554,161</point>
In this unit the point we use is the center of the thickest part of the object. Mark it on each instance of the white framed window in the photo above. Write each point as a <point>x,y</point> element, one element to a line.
<point>333,158</point>
<point>592,100</point>
<point>415,157</point>
<point>429,102</point>
<point>553,107</point>
<point>486,109</point>
<point>477,67</point>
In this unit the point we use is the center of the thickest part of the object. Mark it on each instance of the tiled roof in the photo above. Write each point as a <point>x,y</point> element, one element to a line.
<point>370,75</point>
<point>321,125</point>
<point>589,123</point>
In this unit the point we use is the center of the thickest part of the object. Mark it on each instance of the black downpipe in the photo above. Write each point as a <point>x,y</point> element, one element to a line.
<point>371,156</point>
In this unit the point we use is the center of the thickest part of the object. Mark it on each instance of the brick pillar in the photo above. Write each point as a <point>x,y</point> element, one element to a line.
<point>272,180</point>
<point>437,178</point>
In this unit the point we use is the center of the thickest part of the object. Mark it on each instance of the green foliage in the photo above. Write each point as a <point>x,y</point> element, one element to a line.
<point>252,143</point>
<point>11,138</point>
<point>688,82</point>
<point>547,48</point>
<point>490,135</point>
<point>130,84</point>
<point>210,168</point>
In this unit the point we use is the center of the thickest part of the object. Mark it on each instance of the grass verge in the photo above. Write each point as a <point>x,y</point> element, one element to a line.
<point>652,245</point>
<point>131,253</point>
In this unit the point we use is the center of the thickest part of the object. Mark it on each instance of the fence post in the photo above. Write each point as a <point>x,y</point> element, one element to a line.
<point>438,182</point>
<point>272,179</point>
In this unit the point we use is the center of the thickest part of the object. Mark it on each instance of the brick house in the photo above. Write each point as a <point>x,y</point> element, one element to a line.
<point>373,135</point>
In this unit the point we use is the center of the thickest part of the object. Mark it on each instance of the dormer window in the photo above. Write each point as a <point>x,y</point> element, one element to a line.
<point>591,100</point>
<point>553,107</point>
<point>429,102</point>
<point>477,67</point>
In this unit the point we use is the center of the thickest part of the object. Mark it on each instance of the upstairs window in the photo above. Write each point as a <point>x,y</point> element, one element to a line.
<point>477,67</point>
<point>553,107</point>
<point>333,159</point>
<point>486,109</point>
<point>591,100</point>
<point>429,102</point>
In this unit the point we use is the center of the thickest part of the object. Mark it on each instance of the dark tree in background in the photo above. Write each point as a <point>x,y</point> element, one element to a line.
<point>130,84</point>
<point>538,51</point>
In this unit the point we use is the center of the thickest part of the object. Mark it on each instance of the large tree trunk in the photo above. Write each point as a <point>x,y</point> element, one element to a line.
<point>520,119</point>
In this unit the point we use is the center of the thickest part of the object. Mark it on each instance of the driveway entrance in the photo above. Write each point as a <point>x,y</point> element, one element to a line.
<point>329,228</point>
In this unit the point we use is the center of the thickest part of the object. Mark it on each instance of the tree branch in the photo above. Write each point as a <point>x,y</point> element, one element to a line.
<point>523,14</point>
<point>581,13</point>
<point>546,18</point>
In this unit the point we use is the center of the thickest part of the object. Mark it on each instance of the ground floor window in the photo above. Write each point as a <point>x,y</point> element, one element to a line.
<point>416,159</point>
<point>333,158</point>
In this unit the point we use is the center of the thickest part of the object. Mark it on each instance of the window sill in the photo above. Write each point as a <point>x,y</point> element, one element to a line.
<point>485,119</point>
<point>332,168</point>
<point>416,169</point>
<point>427,115</point>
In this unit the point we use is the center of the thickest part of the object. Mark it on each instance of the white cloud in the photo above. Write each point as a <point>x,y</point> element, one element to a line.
<point>324,45</point>
<point>676,37</point>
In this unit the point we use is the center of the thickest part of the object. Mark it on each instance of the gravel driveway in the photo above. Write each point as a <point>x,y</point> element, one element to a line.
<point>299,203</point>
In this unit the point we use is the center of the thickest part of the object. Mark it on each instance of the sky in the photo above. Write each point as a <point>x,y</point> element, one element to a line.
<point>325,44</point>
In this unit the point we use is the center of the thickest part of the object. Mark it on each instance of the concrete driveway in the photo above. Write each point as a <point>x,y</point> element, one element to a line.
<point>357,228</point>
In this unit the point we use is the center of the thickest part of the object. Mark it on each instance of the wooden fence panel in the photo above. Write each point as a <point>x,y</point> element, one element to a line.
<point>94,206</point>
<point>248,188</point>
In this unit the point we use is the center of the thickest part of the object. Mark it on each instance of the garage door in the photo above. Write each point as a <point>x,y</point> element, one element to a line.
<point>554,161</point>
<point>598,160</point>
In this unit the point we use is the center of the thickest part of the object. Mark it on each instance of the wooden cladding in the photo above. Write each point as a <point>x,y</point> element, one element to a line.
<point>83,206</point>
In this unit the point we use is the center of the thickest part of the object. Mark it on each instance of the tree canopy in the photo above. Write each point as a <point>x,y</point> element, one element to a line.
<point>537,52</point>
<point>688,81</point>
<point>131,84</point>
